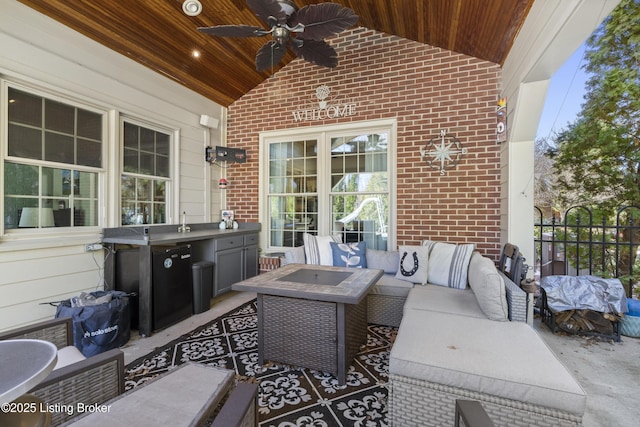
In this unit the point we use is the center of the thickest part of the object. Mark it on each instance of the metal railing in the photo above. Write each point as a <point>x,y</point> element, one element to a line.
<point>585,241</point>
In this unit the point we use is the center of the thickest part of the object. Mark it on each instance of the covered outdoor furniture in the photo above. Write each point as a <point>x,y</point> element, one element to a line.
<point>75,379</point>
<point>588,293</point>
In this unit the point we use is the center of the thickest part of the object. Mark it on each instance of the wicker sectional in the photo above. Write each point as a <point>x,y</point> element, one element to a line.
<point>446,349</point>
<point>414,402</point>
<point>461,344</point>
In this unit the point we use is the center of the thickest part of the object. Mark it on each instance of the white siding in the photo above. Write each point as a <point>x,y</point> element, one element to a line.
<point>38,51</point>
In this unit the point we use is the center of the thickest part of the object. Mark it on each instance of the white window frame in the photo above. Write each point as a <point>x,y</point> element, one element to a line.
<point>4,156</point>
<point>171,208</point>
<point>324,134</point>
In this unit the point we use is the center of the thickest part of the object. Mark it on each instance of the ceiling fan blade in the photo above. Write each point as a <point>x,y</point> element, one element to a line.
<point>267,8</point>
<point>234,31</point>
<point>323,20</point>
<point>316,52</point>
<point>270,54</point>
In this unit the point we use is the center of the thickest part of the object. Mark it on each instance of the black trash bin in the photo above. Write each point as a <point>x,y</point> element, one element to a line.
<point>202,285</point>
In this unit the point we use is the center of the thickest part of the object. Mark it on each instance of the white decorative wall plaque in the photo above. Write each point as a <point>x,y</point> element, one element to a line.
<point>326,107</point>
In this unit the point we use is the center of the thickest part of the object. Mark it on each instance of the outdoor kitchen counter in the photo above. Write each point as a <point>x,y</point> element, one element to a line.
<point>202,238</point>
<point>168,234</point>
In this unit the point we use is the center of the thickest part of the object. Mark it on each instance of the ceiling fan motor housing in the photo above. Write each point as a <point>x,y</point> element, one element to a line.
<point>281,35</point>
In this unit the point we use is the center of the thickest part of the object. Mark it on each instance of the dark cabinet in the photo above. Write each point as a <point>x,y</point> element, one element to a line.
<point>236,259</point>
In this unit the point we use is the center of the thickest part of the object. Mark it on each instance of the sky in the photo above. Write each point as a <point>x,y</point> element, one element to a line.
<point>564,97</point>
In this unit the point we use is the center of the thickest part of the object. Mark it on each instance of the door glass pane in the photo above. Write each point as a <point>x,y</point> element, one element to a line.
<point>359,188</point>
<point>292,171</point>
<point>362,218</point>
<point>355,166</point>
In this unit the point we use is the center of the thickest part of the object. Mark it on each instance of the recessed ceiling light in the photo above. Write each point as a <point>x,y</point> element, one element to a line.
<point>195,53</point>
<point>192,7</point>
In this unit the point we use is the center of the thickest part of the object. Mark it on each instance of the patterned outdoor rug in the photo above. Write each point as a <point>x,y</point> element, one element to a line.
<point>287,396</point>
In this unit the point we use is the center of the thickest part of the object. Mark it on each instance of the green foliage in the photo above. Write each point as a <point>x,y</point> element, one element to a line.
<point>597,159</point>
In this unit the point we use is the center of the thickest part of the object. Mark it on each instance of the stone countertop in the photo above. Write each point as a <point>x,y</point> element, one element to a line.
<point>167,234</point>
<point>291,281</point>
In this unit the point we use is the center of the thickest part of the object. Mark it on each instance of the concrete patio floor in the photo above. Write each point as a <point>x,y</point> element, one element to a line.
<point>609,372</point>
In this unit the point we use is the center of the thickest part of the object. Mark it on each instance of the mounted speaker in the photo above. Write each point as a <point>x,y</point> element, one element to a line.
<point>208,121</point>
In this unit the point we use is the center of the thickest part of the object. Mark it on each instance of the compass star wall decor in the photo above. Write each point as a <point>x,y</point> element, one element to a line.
<point>443,152</point>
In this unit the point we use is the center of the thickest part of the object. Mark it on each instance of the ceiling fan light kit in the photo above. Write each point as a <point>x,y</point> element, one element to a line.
<point>192,7</point>
<point>303,30</point>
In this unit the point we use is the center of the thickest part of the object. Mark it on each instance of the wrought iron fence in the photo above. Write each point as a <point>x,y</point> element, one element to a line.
<point>587,240</point>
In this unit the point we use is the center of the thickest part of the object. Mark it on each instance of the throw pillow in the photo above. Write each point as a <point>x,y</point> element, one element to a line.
<point>352,255</point>
<point>449,263</point>
<point>413,264</point>
<point>488,287</point>
<point>317,250</point>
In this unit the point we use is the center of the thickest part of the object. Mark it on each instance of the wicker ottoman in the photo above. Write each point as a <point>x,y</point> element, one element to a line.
<point>386,300</point>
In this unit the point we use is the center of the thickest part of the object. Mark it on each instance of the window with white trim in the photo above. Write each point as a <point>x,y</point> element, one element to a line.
<point>146,173</point>
<point>335,180</point>
<point>52,161</point>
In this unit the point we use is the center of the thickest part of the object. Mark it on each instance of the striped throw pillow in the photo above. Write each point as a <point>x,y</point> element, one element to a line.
<point>449,263</point>
<point>317,249</point>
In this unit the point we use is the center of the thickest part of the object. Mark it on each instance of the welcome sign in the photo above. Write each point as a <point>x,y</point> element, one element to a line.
<point>325,109</point>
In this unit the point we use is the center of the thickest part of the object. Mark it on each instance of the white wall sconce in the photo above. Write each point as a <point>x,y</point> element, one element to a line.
<point>192,7</point>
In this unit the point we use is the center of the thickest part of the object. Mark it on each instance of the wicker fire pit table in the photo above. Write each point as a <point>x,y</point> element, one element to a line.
<point>312,316</point>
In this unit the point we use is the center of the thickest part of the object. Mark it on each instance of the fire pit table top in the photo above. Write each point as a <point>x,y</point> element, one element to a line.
<point>325,283</point>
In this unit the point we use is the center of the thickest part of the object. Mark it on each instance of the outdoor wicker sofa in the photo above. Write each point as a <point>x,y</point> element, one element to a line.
<point>92,380</point>
<point>472,343</point>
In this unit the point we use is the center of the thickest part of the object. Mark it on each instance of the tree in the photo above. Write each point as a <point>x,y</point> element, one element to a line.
<point>544,178</point>
<point>601,149</point>
<point>597,157</point>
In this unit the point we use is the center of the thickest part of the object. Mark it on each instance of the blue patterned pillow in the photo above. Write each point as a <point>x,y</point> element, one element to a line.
<point>352,255</point>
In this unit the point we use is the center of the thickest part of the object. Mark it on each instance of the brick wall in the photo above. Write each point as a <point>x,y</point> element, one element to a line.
<point>426,89</point>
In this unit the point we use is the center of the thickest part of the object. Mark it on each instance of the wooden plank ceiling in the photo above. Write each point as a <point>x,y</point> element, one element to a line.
<point>157,34</point>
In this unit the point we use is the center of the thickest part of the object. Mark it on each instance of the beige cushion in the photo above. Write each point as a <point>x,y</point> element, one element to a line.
<point>504,359</point>
<point>444,300</point>
<point>448,263</point>
<point>294,256</point>
<point>488,287</point>
<point>390,286</point>
<point>413,264</point>
<point>382,260</point>
<point>68,356</point>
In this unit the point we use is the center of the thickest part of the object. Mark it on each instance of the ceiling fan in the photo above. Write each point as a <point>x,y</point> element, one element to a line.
<point>303,30</point>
